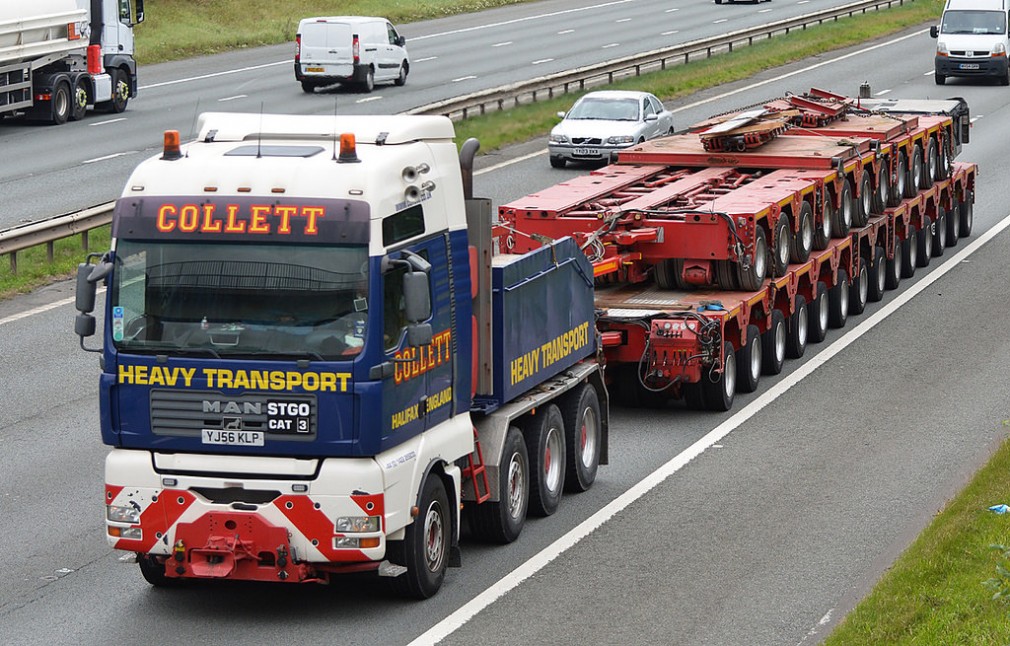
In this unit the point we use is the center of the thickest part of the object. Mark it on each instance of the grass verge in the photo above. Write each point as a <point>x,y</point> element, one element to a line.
<point>35,270</point>
<point>935,592</point>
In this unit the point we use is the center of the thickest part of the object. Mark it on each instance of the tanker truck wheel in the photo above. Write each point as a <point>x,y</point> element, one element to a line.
<point>425,548</point>
<point>583,437</point>
<point>502,521</point>
<point>545,445</point>
<point>60,103</point>
<point>719,389</point>
<point>79,100</point>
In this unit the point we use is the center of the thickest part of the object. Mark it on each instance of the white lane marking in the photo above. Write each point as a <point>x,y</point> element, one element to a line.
<point>670,33</point>
<point>463,78</point>
<point>623,20</point>
<point>820,624</point>
<point>425,59</point>
<point>542,60</point>
<point>610,45</point>
<point>507,42</point>
<point>764,10</point>
<point>42,308</point>
<point>232,98</point>
<point>881,93</point>
<point>716,22</point>
<point>803,1</point>
<point>216,74</point>
<point>671,10</point>
<point>928,73</point>
<point>566,31</point>
<point>414,39</point>
<point>112,156</point>
<point>540,560</point>
<point>976,118</point>
<point>107,121</point>
<point>368,99</point>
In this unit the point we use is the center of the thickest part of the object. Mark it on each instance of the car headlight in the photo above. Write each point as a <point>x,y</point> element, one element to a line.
<point>558,139</point>
<point>355,524</point>
<point>941,48</point>
<point>117,514</point>
<point>999,49</point>
<point>622,139</point>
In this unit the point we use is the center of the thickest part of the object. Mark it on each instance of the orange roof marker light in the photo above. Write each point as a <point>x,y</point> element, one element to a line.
<point>172,147</point>
<point>348,149</point>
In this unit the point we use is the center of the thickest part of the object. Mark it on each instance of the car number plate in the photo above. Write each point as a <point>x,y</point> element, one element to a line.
<point>968,66</point>
<point>232,438</point>
<point>315,69</point>
<point>586,151</point>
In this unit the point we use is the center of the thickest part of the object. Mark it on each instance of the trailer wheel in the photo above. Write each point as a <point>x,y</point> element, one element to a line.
<point>953,223</point>
<point>803,239</point>
<point>878,277</point>
<point>840,215</point>
<point>694,396</point>
<point>60,104</point>
<point>667,274</point>
<point>782,245</point>
<point>426,543</point>
<point>893,271</point>
<point>940,232</point>
<point>773,345</point>
<point>750,279</point>
<point>932,164</point>
<point>583,438</point>
<point>882,198</point>
<point>545,445</point>
<point>859,291</point>
<point>909,254</point>
<point>749,359</point>
<point>726,275</point>
<point>838,300</point>
<point>153,572</point>
<point>943,171</point>
<point>915,174</point>
<point>818,314</point>
<point>799,330</point>
<point>966,214</point>
<point>502,521</point>
<point>924,240</point>
<point>900,179</point>
<point>864,201</point>
<point>822,234</point>
<point>720,389</point>
<point>79,100</point>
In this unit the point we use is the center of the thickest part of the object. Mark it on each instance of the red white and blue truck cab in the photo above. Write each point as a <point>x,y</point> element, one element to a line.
<point>313,359</point>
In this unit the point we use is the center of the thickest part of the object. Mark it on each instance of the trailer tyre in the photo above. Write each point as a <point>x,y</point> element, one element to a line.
<point>924,240</point>
<point>667,274</point>
<point>718,390</point>
<point>909,253</point>
<point>940,232</point>
<point>583,438</point>
<point>878,275</point>
<point>803,238</point>
<point>838,300</point>
<point>932,164</point>
<point>781,246</point>
<point>818,313</point>
<point>840,215</point>
<point>900,179</point>
<point>859,291</point>
<point>893,271</point>
<point>822,234</point>
<point>773,345</point>
<point>864,201</point>
<point>966,214</point>
<point>915,172</point>
<point>545,445</point>
<point>750,279</point>
<point>426,543</point>
<point>882,198</point>
<point>798,331</point>
<point>953,223</point>
<point>502,521</point>
<point>749,359</point>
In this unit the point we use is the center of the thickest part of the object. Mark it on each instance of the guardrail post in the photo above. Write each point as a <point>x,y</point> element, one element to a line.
<point>49,252</point>
<point>14,262</point>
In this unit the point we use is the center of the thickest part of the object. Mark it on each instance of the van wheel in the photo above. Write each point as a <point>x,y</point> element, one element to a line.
<point>368,81</point>
<point>308,87</point>
<point>402,77</point>
<point>939,78</point>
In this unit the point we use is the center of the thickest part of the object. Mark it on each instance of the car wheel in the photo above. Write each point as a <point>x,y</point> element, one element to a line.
<point>557,162</point>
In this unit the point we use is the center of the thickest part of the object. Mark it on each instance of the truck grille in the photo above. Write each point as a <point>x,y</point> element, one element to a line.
<point>186,413</point>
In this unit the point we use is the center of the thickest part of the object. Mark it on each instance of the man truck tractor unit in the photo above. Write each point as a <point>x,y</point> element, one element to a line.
<point>314,362</point>
<point>57,57</point>
<point>720,252</point>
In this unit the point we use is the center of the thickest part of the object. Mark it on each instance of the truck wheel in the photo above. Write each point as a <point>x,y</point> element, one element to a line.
<point>932,170</point>
<point>803,238</point>
<point>818,314</point>
<point>583,438</point>
<point>79,100</point>
<point>720,389</point>
<point>781,245</point>
<point>915,173</point>
<point>502,521</point>
<point>909,253</point>
<point>773,345</point>
<point>940,79</point>
<point>864,202</point>
<point>838,300</point>
<point>893,269</point>
<point>401,78</point>
<point>940,232</point>
<point>859,291</point>
<point>966,214</point>
<point>545,445</point>
<point>60,104</point>
<point>750,279</point>
<point>953,225</point>
<point>878,275</point>
<point>153,572</point>
<point>749,359</point>
<point>426,543</point>
<point>924,240</point>
<point>798,330</point>
<point>900,179</point>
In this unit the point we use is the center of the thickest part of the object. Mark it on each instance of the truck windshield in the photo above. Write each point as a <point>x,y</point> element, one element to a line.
<point>973,22</point>
<point>239,300</point>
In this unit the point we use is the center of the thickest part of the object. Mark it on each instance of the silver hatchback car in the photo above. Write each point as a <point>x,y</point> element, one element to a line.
<point>602,123</point>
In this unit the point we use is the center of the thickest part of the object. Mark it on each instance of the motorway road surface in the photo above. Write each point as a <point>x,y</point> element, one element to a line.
<point>51,170</point>
<point>803,495</point>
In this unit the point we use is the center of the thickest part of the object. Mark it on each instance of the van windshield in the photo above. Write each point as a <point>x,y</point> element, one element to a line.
<point>973,22</point>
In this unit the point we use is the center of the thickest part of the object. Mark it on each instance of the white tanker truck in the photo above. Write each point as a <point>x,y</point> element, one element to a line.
<point>57,57</point>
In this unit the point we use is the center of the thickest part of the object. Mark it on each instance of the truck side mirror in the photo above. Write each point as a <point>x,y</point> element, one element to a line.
<point>416,297</point>
<point>401,41</point>
<point>85,296</point>
<point>140,11</point>
<point>934,32</point>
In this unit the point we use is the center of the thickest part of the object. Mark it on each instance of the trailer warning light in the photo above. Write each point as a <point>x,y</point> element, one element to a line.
<point>172,149</point>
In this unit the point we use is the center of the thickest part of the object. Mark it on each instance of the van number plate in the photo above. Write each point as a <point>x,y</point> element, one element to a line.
<point>315,69</point>
<point>232,438</point>
<point>968,66</point>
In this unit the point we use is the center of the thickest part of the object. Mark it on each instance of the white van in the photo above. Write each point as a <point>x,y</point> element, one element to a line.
<point>972,40</point>
<point>349,50</point>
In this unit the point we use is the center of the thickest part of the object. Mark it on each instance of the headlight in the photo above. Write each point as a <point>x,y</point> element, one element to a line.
<point>999,49</point>
<point>117,514</point>
<point>558,139</point>
<point>129,533</point>
<point>941,48</point>
<point>623,139</point>
<point>357,524</point>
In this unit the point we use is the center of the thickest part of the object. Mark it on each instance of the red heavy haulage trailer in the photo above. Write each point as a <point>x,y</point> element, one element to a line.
<point>721,251</point>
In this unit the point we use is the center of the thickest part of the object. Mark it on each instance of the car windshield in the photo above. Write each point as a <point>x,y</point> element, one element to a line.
<point>240,300</point>
<point>973,22</point>
<point>605,109</point>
